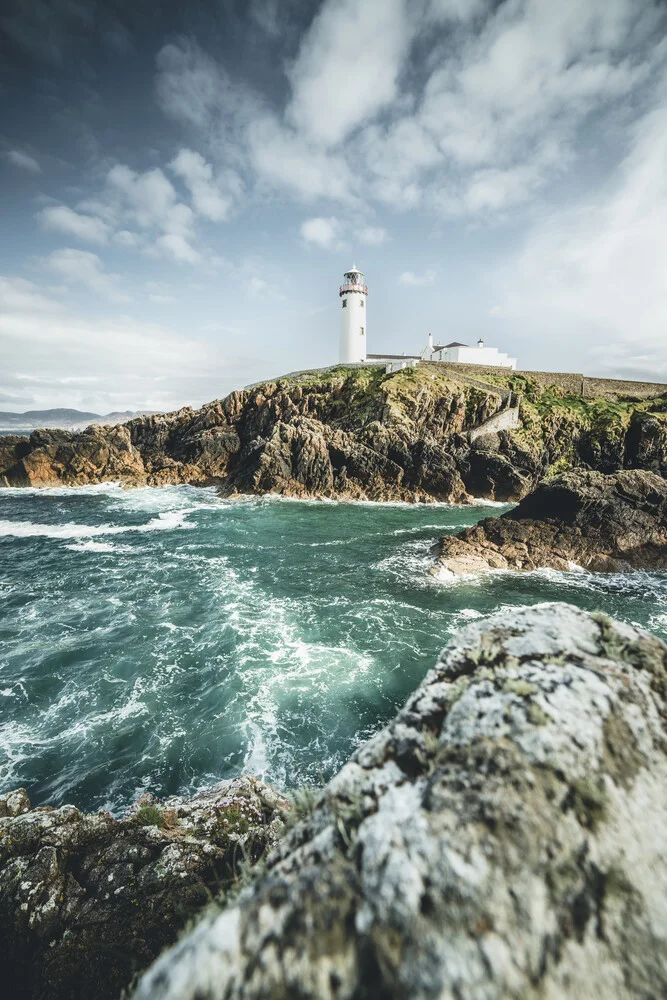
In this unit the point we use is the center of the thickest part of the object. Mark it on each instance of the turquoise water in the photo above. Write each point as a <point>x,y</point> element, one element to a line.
<point>164,638</point>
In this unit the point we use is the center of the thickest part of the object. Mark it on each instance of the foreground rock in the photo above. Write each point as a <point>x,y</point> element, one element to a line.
<point>504,838</point>
<point>418,434</point>
<point>605,524</point>
<point>87,901</point>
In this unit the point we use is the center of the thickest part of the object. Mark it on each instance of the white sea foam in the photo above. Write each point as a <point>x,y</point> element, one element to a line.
<point>60,491</point>
<point>482,502</point>
<point>90,546</point>
<point>152,499</point>
<point>165,521</point>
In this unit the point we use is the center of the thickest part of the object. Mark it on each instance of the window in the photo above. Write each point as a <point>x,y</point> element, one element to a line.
<point>344,303</point>
<point>361,303</point>
<point>361,330</point>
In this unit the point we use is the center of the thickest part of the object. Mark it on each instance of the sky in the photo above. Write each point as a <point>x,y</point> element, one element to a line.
<point>183,185</point>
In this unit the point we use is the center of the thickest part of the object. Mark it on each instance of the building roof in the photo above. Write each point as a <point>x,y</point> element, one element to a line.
<point>454,343</point>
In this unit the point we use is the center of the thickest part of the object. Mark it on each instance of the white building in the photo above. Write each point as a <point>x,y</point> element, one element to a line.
<point>466,355</point>
<point>353,295</point>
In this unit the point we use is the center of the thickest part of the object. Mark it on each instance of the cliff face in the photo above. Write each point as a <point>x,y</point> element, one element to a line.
<point>356,433</point>
<point>504,838</point>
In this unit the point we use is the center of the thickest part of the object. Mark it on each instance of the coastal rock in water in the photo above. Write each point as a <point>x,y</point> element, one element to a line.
<point>52,457</point>
<point>601,523</point>
<point>504,838</point>
<point>88,901</point>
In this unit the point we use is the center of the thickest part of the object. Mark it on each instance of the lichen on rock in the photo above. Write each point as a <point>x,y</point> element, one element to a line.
<point>87,901</point>
<point>504,837</point>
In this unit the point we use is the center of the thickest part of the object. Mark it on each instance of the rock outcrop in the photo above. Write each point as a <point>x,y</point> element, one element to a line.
<point>603,523</point>
<point>88,901</point>
<point>419,434</point>
<point>504,838</point>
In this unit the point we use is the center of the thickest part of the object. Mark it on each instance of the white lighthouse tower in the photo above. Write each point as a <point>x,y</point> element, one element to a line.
<point>353,295</point>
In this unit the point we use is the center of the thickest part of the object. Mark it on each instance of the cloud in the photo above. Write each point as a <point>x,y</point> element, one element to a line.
<point>22,160</point>
<point>266,14</point>
<point>372,235</point>
<point>66,220</point>
<point>208,199</point>
<point>176,246</point>
<point>85,268</point>
<point>409,278</point>
<point>287,160</point>
<point>457,10</point>
<point>19,295</point>
<point>99,364</point>
<point>596,269</point>
<point>348,67</point>
<point>149,199</point>
<point>124,238</point>
<point>326,232</point>
<point>190,85</point>
<point>321,232</point>
<point>458,107</point>
<point>504,107</point>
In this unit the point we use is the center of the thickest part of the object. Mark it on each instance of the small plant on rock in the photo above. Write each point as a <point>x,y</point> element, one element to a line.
<point>233,815</point>
<point>147,811</point>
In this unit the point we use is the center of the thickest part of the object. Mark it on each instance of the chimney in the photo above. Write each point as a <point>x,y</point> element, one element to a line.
<point>430,343</point>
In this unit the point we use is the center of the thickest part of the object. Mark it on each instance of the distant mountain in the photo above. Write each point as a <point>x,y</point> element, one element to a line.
<point>62,417</point>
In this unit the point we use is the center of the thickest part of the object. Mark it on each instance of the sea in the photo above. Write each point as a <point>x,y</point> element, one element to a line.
<point>162,639</point>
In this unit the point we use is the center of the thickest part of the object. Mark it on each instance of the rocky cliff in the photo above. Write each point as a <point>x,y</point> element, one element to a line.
<point>87,901</point>
<point>357,433</point>
<point>603,523</point>
<point>504,838</point>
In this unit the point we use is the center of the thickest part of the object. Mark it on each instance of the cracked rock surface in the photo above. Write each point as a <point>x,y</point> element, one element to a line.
<point>603,523</point>
<point>504,838</point>
<point>87,901</point>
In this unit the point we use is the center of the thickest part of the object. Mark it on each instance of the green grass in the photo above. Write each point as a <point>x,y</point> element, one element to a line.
<point>150,815</point>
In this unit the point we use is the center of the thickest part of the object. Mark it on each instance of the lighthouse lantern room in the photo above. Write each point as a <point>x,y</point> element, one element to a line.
<point>353,294</point>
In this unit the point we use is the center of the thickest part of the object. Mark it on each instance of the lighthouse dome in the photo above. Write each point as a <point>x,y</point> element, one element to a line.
<point>353,273</point>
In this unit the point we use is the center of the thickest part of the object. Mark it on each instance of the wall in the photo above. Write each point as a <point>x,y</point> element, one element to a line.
<point>573,382</point>
<point>621,387</point>
<point>489,356</point>
<point>502,421</point>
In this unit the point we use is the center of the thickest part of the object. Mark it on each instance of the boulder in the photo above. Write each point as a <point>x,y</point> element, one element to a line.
<point>603,523</point>
<point>87,901</point>
<point>504,838</point>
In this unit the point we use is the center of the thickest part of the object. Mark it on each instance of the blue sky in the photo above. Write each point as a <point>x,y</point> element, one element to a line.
<point>182,186</point>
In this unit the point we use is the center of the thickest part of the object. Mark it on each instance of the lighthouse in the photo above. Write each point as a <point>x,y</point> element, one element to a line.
<point>353,294</point>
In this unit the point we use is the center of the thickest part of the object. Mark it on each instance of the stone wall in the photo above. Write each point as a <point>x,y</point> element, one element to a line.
<point>573,382</point>
<point>611,387</point>
<point>502,421</point>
